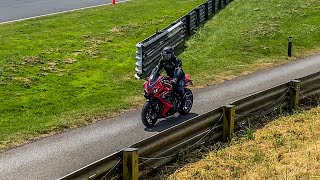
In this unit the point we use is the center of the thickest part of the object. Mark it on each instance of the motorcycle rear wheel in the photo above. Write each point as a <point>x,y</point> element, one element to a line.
<point>149,114</point>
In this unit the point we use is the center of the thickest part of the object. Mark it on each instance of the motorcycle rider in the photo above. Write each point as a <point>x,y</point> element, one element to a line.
<point>173,67</point>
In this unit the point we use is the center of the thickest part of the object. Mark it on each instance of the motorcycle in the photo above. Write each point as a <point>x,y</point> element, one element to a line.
<point>162,101</point>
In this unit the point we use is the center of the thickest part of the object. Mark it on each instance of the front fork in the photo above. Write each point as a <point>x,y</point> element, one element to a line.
<point>156,106</point>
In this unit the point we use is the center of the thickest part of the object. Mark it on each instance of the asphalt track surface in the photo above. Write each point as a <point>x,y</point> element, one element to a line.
<point>58,155</point>
<point>11,10</point>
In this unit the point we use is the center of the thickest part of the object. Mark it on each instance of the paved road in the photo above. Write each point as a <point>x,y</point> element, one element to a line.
<point>11,10</point>
<point>56,156</point>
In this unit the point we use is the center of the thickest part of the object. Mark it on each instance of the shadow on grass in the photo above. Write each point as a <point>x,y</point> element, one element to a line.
<point>169,122</point>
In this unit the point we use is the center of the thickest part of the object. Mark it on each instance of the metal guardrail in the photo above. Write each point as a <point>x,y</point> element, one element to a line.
<point>148,50</point>
<point>160,149</point>
<point>310,85</point>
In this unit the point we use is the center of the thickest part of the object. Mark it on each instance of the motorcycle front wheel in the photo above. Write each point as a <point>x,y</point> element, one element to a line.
<point>186,106</point>
<point>149,114</point>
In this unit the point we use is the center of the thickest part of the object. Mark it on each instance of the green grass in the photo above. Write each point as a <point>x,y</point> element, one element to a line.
<point>250,35</point>
<point>67,70</point>
<point>70,69</point>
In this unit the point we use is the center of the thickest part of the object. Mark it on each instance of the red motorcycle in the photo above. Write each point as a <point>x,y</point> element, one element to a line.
<point>162,101</point>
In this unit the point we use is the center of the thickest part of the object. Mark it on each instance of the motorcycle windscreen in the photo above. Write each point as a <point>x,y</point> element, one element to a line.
<point>153,79</point>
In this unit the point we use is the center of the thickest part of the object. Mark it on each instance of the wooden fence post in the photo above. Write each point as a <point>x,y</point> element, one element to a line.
<point>294,94</point>
<point>130,164</point>
<point>228,122</point>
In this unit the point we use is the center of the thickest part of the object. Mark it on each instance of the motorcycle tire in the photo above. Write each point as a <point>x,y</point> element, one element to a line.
<point>149,115</point>
<point>188,102</point>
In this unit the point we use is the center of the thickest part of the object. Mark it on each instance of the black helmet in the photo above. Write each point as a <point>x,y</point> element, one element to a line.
<point>167,53</point>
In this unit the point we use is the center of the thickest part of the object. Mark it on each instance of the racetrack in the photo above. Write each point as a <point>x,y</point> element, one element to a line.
<point>56,156</point>
<point>13,10</point>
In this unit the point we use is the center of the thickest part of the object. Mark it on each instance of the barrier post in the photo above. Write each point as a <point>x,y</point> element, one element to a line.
<point>219,4</point>
<point>228,122</point>
<point>213,7</point>
<point>294,94</point>
<point>290,47</point>
<point>198,16</point>
<point>113,2</point>
<point>130,164</point>
<point>188,24</point>
<point>206,10</point>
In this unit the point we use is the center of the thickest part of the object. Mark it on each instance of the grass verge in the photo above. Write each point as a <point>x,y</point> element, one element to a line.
<point>71,69</point>
<point>66,70</point>
<point>285,148</point>
<point>250,35</point>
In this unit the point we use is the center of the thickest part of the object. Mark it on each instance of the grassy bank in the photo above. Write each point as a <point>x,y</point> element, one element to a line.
<point>250,35</point>
<point>67,70</point>
<point>71,69</point>
<point>287,148</point>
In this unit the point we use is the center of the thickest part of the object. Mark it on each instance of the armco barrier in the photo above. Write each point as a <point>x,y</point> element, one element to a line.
<point>160,149</point>
<point>148,50</point>
<point>310,85</point>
